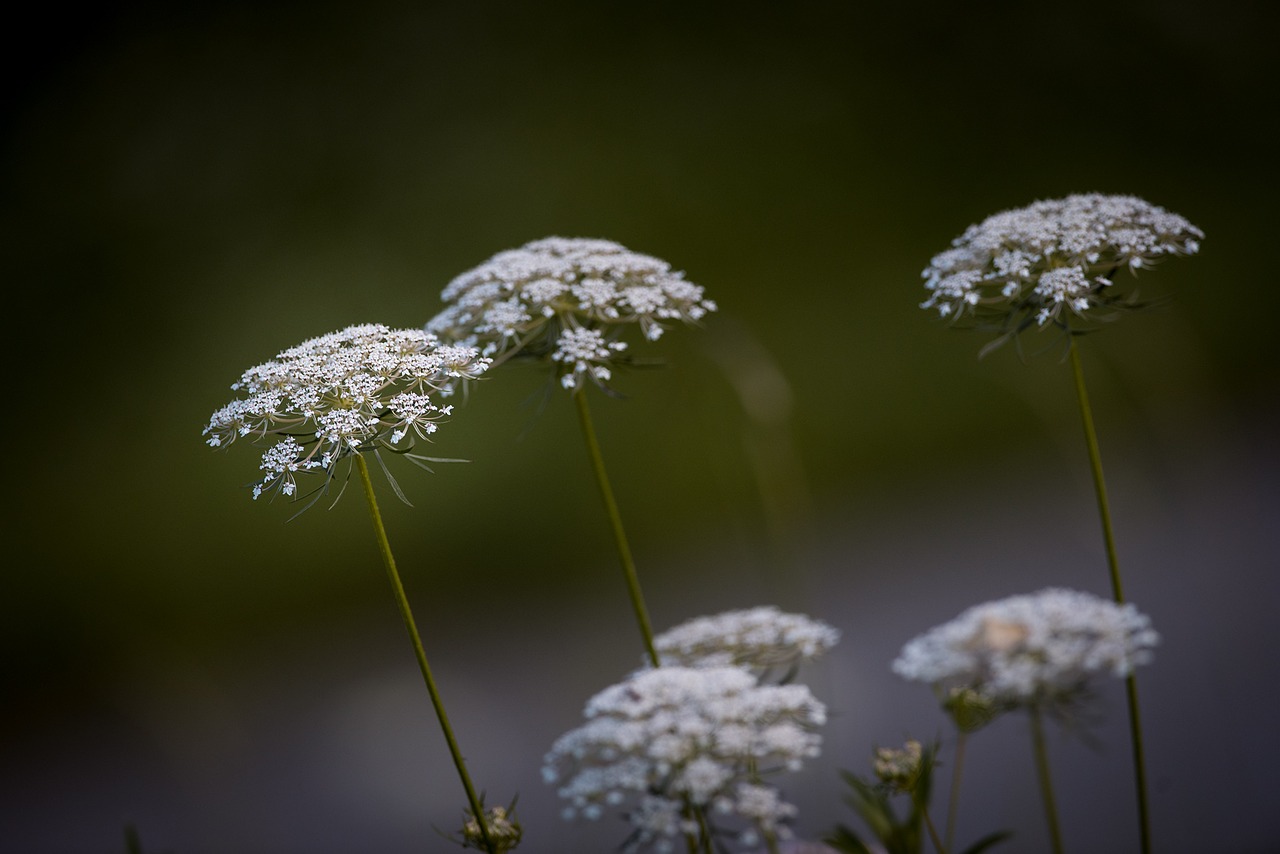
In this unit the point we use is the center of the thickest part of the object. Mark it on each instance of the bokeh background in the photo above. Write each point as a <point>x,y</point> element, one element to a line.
<point>188,189</point>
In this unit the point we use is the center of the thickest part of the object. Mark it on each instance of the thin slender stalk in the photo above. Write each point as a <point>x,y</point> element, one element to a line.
<point>384,546</point>
<point>1113,565</point>
<point>1046,785</point>
<point>703,841</point>
<point>928,823</point>
<point>615,520</point>
<point>1095,463</point>
<point>953,797</point>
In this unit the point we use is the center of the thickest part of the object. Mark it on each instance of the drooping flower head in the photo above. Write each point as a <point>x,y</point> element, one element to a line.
<point>1036,650</point>
<point>1053,262</point>
<point>760,638</point>
<point>364,388</point>
<point>671,738</point>
<point>567,300</point>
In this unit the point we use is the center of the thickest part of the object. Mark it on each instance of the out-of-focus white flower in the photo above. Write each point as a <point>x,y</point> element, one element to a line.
<point>364,388</point>
<point>1041,649</point>
<point>567,300</point>
<point>760,638</point>
<point>1053,261</point>
<point>672,739</point>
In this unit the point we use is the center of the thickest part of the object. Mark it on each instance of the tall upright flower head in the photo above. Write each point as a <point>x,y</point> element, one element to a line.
<point>673,739</point>
<point>366,388</point>
<point>1038,650</point>
<point>1053,262</point>
<point>567,300</point>
<point>760,639</point>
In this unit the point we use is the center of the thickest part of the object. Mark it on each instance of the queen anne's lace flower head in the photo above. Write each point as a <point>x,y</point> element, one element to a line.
<point>568,300</point>
<point>758,638</point>
<point>674,737</point>
<point>364,388</point>
<point>1053,261</point>
<point>1041,649</point>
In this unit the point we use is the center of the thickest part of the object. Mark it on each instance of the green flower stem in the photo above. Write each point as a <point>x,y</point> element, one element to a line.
<point>703,839</point>
<point>132,842</point>
<point>953,797</point>
<point>928,823</point>
<point>385,547</point>
<point>1113,564</point>
<point>1046,785</point>
<point>1095,462</point>
<point>615,519</point>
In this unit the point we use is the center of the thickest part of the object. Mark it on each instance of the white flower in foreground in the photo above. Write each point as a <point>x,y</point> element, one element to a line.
<point>674,737</point>
<point>759,638</point>
<point>566,299</point>
<point>1038,649</point>
<point>1054,260</point>
<point>364,388</point>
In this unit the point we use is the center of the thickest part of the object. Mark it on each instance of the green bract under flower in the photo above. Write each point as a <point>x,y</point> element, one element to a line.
<point>1053,261</point>
<point>566,300</point>
<point>365,388</point>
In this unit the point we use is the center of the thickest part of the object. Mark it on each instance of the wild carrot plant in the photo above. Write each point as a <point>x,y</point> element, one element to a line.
<point>1053,265</point>
<point>329,404</point>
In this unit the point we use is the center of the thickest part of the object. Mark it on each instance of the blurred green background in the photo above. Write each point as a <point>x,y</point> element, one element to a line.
<point>186,191</point>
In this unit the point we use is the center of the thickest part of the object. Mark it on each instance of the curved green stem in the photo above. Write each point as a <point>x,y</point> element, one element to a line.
<point>928,823</point>
<point>384,546</point>
<point>1113,565</point>
<point>615,520</point>
<point>1046,784</point>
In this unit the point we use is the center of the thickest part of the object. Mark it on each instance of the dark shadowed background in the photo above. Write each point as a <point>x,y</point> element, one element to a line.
<point>188,190</point>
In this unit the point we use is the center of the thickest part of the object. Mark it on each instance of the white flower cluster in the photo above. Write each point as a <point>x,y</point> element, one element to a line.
<point>566,299</point>
<point>338,394</point>
<point>1030,650</point>
<point>671,740</point>
<point>759,638</point>
<point>1053,255</point>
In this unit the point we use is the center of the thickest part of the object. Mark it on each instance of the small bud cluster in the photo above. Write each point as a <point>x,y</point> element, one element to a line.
<point>1053,260</point>
<point>364,387</point>
<point>504,831</point>
<point>1040,649</point>
<point>566,300</point>
<point>898,768</point>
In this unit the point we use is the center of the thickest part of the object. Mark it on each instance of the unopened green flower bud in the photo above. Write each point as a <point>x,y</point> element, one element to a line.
<point>504,830</point>
<point>899,769</point>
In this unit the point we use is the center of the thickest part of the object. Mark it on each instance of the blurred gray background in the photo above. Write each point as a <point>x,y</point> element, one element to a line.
<point>187,190</point>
